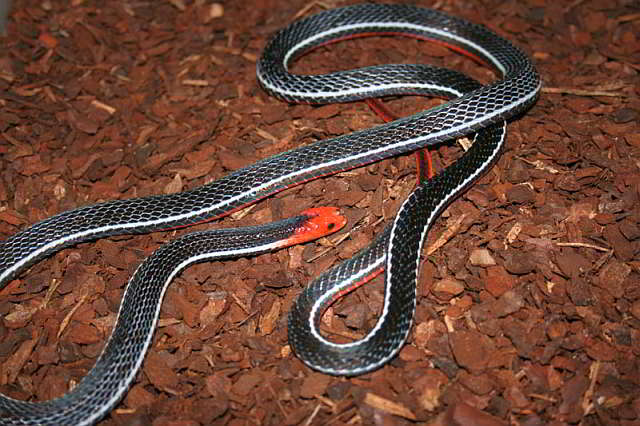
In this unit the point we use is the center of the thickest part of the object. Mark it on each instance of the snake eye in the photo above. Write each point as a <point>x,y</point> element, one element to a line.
<point>331,225</point>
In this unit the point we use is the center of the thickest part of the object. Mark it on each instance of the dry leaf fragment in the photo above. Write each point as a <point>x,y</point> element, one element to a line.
<point>388,406</point>
<point>481,257</point>
<point>269,320</point>
<point>178,4</point>
<point>216,10</point>
<point>174,186</point>
<point>11,368</point>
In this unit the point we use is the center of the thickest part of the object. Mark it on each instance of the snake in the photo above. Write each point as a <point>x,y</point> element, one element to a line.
<point>471,109</point>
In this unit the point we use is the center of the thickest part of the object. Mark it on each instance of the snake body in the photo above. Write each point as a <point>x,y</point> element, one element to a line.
<point>474,108</point>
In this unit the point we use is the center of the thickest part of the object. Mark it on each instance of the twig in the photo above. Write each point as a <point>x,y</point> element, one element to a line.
<point>67,318</point>
<point>310,6</point>
<point>446,235</point>
<point>581,92</point>
<point>313,415</point>
<point>587,399</point>
<point>586,245</point>
<point>543,397</point>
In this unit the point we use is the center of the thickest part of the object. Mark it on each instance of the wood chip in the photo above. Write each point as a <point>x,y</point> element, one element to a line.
<point>388,406</point>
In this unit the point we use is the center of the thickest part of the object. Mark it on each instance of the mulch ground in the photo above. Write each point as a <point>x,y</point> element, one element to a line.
<point>529,298</point>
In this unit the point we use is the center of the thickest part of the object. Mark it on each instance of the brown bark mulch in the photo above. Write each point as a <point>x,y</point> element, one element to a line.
<point>529,300</point>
